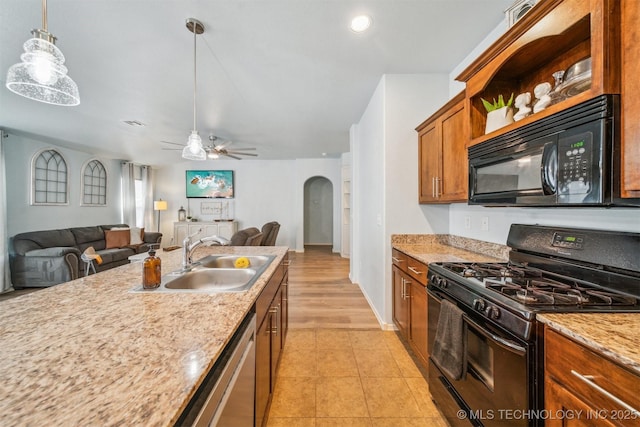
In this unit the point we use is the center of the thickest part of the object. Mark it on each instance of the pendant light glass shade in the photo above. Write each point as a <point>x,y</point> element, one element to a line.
<point>194,149</point>
<point>41,75</point>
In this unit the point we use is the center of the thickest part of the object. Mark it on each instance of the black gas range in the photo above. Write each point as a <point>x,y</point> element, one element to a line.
<point>550,269</point>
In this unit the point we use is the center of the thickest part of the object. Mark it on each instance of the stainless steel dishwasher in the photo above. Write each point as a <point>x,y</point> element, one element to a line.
<point>226,397</point>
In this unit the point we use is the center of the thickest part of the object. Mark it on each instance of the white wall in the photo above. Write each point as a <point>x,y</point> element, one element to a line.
<point>500,219</point>
<point>22,217</point>
<point>266,190</point>
<point>385,189</point>
<point>367,204</point>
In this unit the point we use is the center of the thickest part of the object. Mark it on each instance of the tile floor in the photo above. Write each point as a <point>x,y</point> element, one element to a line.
<point>346,377</point>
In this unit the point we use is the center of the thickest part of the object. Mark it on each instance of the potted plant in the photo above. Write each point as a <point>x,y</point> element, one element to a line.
<point>499,113</point>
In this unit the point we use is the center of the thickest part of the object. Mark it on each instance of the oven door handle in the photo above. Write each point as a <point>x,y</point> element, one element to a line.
<point>504,343</point>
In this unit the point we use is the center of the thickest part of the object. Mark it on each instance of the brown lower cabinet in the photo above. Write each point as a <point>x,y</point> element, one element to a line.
<point>410,302</point>
<point>272,317</point>
<point>584,388</point>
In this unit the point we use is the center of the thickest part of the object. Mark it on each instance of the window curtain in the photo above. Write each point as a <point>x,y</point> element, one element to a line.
<point>5,279</point>
<point>147,187</point>
<point>128,194</point>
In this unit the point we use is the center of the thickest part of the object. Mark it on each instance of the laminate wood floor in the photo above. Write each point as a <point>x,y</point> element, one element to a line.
<point>321,294</point>
<point>338,368</point>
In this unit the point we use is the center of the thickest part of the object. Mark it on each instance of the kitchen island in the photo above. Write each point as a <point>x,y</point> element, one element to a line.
<point>90,352</point>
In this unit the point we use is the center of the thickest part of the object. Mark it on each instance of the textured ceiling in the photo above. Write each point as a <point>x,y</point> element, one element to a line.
<point>285,76</point>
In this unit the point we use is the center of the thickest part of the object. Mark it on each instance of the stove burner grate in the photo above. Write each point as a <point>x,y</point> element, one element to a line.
<point>533,287</point>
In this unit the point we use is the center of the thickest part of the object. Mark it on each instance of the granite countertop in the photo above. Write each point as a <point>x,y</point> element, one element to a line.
<point>614,335</point>
<point>89,352</point>
<point>447,248</point>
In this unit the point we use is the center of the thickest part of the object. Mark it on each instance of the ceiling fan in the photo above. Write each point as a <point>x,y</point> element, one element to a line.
<point>215,150</point>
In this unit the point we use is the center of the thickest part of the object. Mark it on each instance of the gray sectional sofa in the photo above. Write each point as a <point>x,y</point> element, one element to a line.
<point>49,257</point>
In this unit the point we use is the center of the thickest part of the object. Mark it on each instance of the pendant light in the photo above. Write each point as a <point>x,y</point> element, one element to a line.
<point>41,75</point>
<point>194,149</point>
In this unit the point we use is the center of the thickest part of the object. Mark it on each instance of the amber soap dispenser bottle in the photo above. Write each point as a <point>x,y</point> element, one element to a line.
<point>151,270</point>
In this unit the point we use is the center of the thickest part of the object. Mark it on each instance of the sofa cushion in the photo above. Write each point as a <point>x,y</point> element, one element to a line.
<point>25,242</point>
<point>88,236</point>
<point>115,255</point>
<point>137,234</point>
<point>116,238</point>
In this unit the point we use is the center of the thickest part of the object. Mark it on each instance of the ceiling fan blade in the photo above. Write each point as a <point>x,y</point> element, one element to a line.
<point>231,155</point>
<point>241,154</point>
<point>173,143</point>
<point>244,149</point>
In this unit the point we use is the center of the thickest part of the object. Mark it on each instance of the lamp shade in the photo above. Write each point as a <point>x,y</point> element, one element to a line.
<point>160,205</point>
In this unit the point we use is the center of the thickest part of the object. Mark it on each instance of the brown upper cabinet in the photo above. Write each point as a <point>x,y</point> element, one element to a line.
<point>630,150</point>
<point>442,154</point>
<point>553,35</point>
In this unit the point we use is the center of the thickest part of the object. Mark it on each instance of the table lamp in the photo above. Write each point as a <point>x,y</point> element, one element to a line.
<point>159,205</point>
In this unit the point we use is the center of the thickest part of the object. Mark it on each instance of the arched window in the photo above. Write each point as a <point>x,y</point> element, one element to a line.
<point>50,183</point>
<point>94,184</point>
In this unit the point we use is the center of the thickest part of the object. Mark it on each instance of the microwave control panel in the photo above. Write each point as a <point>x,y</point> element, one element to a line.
<point>575,157</point>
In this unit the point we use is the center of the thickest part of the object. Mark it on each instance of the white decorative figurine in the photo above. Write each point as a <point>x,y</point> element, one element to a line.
<point>541,92</point>
<point>522,104</point>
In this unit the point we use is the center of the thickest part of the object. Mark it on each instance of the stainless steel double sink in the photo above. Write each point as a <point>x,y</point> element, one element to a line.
<point>214,274</point>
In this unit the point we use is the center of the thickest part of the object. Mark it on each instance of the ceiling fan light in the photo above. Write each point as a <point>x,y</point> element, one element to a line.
<point>213,155</point>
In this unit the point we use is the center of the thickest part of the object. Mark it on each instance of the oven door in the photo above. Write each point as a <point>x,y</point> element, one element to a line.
<point>496,389</point>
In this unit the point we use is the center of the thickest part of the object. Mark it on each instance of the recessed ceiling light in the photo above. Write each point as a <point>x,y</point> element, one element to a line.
<point>360,23</point>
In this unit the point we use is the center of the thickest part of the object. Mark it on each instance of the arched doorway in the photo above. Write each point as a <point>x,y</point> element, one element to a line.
<point>318,211</point>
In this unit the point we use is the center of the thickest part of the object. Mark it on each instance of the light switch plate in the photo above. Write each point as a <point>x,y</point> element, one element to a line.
<point>484,223</point>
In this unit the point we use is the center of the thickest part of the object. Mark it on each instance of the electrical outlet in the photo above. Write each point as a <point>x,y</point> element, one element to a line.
<point>484,223</point>
<point>467,222</point>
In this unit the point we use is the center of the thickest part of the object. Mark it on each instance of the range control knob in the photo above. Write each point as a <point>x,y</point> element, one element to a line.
<point>442,282</point>
<point>494,313</point>
<point>479,304</point>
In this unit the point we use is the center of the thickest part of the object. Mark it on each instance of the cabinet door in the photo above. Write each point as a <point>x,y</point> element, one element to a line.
<point>418,320</point>
<point>400,306</point>
<point>263,369</point>
<point>630,185</point>
<point>276,335</point>
<point>428,163</point>
<point>284,320</point>
<point>180,230</point>
<point>452,183</point>
<point>227,229</point>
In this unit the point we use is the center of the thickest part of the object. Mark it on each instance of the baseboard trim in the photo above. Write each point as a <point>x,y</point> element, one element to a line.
<point>383,325</point>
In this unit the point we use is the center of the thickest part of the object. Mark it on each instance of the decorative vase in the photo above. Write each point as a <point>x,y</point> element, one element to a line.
<point>498,118</point>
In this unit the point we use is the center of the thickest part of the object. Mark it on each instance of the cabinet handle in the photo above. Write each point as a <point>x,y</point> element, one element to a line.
<point>437,187</point>
<point>274,310</point>
<point>398,260</point>
<point>588,379</point>
<point>433,187</point>
<point>287,263</point>
<point>405,294</point>
<point>413,270</point>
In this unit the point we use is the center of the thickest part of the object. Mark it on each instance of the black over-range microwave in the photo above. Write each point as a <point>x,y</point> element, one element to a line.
<point>571,158</point>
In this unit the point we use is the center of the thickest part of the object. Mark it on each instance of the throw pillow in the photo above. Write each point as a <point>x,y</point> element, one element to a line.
<point>136,236</point>
<point>116,238</point>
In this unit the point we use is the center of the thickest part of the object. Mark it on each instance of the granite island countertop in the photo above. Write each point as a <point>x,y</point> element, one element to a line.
<point>448,248</point>
<point>89,352</point>
<point>615,335</point>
